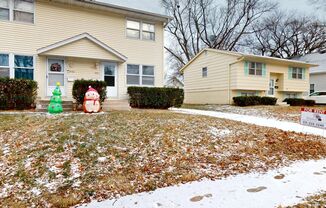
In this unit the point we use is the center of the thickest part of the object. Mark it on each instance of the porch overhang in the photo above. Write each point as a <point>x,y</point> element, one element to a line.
<point>82,46</point>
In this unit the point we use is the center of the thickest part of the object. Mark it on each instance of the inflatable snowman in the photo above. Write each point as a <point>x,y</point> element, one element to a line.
<point>91,101</point>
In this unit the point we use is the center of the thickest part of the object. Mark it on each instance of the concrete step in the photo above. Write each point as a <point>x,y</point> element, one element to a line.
<point>282,104</point>
<point>42,105</point>
<point>116,105</point>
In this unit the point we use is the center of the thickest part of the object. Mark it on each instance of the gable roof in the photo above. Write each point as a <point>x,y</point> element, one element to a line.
<point>79,37</point>
<point>317,58</point>
<point>243,56</point>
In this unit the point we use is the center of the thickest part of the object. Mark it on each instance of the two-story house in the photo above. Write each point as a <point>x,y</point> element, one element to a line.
<point>53,41</point>
<point>216,76</point>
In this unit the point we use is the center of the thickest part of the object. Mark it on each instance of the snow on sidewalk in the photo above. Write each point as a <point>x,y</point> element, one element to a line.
<point>285,186</point>
<point>283,125</point>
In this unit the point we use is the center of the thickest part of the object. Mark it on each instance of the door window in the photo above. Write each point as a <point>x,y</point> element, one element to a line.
<point>109,75</point>
<point>271,90</point>
<point>56,72</point>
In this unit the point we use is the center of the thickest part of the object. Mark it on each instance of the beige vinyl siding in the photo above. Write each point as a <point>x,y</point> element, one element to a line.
<point>241,80</point>
<point>213,88</point>
<point>83,48</point>
<point>55,22</point>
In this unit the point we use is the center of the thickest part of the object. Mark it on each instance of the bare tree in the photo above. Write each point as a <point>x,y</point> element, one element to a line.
<point>286,36</point>
<point>320,4</point>
<point>218,24</point>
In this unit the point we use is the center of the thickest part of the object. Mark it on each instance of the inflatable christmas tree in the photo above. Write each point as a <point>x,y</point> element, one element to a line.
<point>55,105</point>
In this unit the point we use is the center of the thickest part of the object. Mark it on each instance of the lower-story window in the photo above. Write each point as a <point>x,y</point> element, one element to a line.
<point>24,67</point>
<point>312,88</point>
<point>4,65</point>
<point>248,94</point>
<point>140,75</point>
<point>16,66</point>
<point>291,95</point>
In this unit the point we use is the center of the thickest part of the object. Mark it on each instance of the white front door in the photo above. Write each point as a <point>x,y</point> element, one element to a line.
<point>55,73</point>
<point>110,77</point>
<point>271,90</point>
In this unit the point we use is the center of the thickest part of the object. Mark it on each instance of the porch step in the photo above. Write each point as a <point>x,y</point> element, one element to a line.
<point>282,104</point>
<point>116,105</point>
<point>42,105</point>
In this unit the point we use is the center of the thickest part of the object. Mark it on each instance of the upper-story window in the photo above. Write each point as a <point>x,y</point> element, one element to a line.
<point>140,30</point>
<point>297,73</point>
<point>17,10</point>
<point>204,72</point>
<point>255,68</point>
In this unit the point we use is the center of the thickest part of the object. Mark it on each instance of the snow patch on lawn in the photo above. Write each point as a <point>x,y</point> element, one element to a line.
<point>283,125</point>
<point>6,150</point>
<point>284,186</point>
<point>219,132</point>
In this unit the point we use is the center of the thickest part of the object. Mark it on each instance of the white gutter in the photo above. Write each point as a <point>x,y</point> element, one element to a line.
<point>113,6</point>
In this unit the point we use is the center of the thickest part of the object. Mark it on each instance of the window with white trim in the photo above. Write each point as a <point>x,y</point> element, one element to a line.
<point>4,65</point>
<point>291,95</point>
<point>204,72</point>
<point>133,29</point>
<point>4,10</point>
<point>148,31</point>
<point>312,88</point>
<point>140,75</point>
<point>297,73</point>
<point>24,67</point>
<point>247,94</point>
<point>17,10</point>
<point>255,68</point>
<point>140,30</point>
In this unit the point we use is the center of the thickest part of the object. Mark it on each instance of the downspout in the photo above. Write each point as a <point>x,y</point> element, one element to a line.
<point>229,78</point>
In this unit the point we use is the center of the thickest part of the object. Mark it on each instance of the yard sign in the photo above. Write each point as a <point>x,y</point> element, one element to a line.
<point>313,117</point>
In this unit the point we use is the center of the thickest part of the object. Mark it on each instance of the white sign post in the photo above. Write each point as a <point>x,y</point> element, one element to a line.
<point>313,117</point>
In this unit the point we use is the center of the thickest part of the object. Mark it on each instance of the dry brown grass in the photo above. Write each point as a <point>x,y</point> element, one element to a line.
<point>75,158</point>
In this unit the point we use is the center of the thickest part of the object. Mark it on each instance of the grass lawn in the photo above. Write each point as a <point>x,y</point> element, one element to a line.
<point>316,201</point>
<point>286,113</point>
<point>64,160</point>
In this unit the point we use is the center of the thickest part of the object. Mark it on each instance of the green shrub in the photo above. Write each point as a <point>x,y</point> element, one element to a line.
<point>268,101</point>
<point>155,97</point>
<point>295,101</point>
<point>299,102</point>
<point>310,102</point>
<point>17,94</point>
<point>254,100</point>
<point>81,86</point>
<point>247,100</point>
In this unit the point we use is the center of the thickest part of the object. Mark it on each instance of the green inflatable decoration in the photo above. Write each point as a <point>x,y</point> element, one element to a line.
<point>55,105</point>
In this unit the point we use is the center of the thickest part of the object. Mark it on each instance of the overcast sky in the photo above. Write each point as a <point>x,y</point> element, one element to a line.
<point>155,6</point>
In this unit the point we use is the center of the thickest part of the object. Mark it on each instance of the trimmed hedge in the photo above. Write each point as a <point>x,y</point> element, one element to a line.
<point>299,102</point>
<point>155,97</point>
<point>254,100</point>
<point>17,94</point>
<point>310,102</point>
<point>268,101</point>
<point>81,86</point>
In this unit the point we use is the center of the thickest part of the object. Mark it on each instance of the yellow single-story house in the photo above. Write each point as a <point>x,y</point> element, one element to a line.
<point>216,76</point>
<point>53,41</point>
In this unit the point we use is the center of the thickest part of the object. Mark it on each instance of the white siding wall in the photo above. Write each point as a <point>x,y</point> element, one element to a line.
<point>319,80</point>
